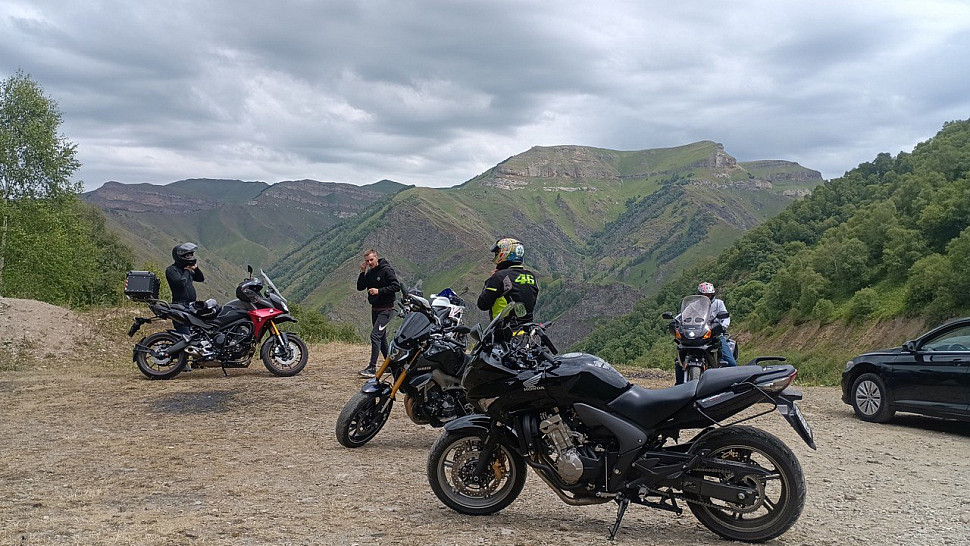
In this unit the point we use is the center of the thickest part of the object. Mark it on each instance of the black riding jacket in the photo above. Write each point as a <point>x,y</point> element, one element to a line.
<point>384,279</point>
<point>511,283</point>
<point>180,282</point>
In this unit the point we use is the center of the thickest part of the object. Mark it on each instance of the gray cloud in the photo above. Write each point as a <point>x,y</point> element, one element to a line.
<point>433,93</point>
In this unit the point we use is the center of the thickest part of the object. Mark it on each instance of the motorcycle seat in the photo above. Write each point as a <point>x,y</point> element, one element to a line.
<point>648,407</point>
<point>719,379</point>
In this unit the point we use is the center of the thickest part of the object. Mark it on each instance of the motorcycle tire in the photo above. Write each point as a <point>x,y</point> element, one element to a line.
<point>693,373</point>
<point>781,496</point>
<point>451,462</point>
<point>282,362</point>
<point>361,419</point>
<point>156,368</point>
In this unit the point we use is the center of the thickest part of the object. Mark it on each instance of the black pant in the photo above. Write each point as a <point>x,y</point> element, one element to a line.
<point>181,327</point>
<point>378,334</point>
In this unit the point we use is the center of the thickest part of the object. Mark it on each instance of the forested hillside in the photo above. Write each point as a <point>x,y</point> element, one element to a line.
<point>888,239</point>
<point>598,225</point>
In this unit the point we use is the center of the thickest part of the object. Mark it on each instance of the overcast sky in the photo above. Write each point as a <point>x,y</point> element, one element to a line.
<point>434,93</point>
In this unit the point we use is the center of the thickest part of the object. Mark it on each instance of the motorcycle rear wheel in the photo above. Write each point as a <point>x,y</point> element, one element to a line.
<point>159,368</point>
<point>284,361</point>
<point>451,464</point>
<point>781,495</point>
<point>361,419</point>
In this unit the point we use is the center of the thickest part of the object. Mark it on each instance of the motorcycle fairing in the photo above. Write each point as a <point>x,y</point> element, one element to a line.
<point>261,318</point>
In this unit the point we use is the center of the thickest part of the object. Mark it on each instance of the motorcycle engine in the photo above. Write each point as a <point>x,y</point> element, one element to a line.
<point>236,341</point>
<point>559,438</point>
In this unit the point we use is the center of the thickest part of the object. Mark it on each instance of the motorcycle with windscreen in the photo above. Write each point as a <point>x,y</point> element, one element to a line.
<point>593,437</point>
<point>220,336</point>
<point>425,361</point>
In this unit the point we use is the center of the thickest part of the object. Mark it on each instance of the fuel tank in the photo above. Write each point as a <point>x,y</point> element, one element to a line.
<point>575,377</point>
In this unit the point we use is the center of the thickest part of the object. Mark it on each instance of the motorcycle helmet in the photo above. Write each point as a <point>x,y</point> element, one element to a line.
<point>249,290</point>
<point>706,289</point>
<point>184,254</point>
<point>508,250</point>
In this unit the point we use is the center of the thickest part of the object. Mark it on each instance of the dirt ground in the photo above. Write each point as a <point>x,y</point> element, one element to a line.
<point>91,452</point>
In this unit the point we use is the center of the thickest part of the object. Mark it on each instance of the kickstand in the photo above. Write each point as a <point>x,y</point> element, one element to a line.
<point>224,372</point>
<point>622,503</point>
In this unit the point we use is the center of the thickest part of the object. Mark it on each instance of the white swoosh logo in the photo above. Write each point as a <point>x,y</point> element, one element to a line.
<point>381,328</point>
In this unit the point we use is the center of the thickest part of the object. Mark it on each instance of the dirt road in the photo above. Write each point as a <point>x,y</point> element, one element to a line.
<point>96,454</point>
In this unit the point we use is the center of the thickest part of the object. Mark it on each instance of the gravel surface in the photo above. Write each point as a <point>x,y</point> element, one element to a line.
<point>93,453</point>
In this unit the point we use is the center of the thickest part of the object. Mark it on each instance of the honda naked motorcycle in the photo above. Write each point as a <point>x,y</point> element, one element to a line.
<point>225,336</point>
<point>425,361</point>
<point>698,342</point>
<point>594,437</point>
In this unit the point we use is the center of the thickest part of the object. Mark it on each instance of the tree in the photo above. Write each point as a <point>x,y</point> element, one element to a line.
<point>35,162</point>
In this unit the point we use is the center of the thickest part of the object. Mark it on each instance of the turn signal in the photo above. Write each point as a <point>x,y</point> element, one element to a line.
<point>707,335</point>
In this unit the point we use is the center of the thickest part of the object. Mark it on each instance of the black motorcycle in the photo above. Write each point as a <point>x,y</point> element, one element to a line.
<point>221,336</point>
<point>698,341</point>
<point>594,437</point>
<point>425,361</point>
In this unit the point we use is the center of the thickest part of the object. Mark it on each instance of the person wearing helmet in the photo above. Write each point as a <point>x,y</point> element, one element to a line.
<point>719,316</point>
<point>180,276</point>
<point>510,281</point>
<point>380,280</point>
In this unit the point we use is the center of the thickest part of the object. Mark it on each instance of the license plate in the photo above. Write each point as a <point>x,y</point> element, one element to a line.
<point>801,420</point>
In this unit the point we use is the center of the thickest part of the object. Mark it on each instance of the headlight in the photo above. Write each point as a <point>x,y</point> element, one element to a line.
<point>397,353</point>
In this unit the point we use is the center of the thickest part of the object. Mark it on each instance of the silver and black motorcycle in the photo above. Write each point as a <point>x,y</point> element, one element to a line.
<point>593,437</point>
<point>425,361</point>
<point>698,340</point>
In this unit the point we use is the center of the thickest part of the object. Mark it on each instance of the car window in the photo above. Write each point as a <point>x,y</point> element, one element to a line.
<point>953,340</point>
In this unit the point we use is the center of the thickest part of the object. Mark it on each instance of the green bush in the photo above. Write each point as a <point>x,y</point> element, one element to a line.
<point>313,327</point>
<point>823,311</point>
<point>863,304</point>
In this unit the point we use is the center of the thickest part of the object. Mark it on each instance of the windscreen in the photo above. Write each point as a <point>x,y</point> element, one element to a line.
<point>694,310</point>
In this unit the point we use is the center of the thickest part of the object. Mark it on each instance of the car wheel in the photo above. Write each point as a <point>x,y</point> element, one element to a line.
<point>870,399</point>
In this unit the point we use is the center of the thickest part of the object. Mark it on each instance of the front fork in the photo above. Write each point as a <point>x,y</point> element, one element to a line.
<point>400,379</point>
<point>281,340</point>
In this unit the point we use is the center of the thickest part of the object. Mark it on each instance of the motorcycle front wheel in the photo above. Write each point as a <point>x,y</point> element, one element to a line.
<point>362,418</point>
<point>780,485</point>
<point>148,356</point>
<point>451,473</point>
<point>284,361</point>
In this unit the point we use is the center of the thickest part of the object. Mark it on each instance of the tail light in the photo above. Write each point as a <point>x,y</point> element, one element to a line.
<point>778,384</point>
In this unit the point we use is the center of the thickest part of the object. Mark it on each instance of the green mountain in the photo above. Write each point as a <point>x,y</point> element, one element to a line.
<point>887,242</point>
<point>601,228</point>
<point>234,222</point>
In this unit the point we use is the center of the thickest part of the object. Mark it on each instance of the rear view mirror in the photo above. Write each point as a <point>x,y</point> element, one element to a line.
<point>910,346</point>
<point>667,315</point>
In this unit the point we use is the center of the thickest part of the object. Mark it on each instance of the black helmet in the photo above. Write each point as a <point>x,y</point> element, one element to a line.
<point>184,254</point>
<point>249,290</point>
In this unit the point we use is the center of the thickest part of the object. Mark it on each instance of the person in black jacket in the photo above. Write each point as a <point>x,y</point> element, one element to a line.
<point>510,281</point>
<point>180,276</point>
<point>380,280</point>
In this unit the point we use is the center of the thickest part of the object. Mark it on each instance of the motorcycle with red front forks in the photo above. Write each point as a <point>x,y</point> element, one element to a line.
<point>221,336</point>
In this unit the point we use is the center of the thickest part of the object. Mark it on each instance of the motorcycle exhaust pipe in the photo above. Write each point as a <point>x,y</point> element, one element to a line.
<point>572,501</point>
<point>174,349</point>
